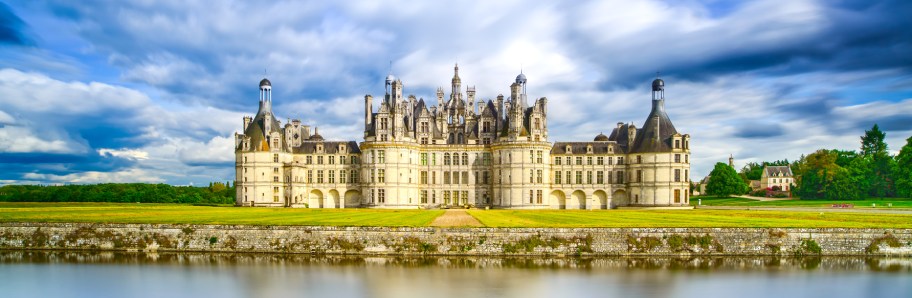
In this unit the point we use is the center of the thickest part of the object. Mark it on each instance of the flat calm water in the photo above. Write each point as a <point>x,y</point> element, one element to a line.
<point>68,274</point>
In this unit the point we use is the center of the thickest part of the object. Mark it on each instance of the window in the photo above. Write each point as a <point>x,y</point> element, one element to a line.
<point>531,156</point>
<point>275,170</point>
<point>309,176</point>
<point>424,196</point>
<point>465,197</point>
<point>465,159</point>
<point>619,177</point>
<point>531,196</point>
<point>599,177</point>
<point>620,160</point>
<point>579,177</point>
<point>446,177</point>
<point>275,157</point>
<point>433,197</point>
<point>484,177</point>
<point>465,177</point>
<point>686,179</point>
<point>455,176</point>
<point>446,159</point>
<point>424,177</point>
<point>677,175</point>
<point>320,176</point>
<point>677,158</point>
<point>639,159</point>
<point>423,159</point>
<point>539,158</point>
<point>579,160</point>
<point>538,196</point>
<point>446,197</point>
<point>486,159</point>
<point>639,175</point>
<point>424,128</point>
<point>342,175</point>
<point>557,161</point>
<point>589,160</point>
<point>433,159</point>
<point>382,157</point>
<point>588,177</point>
<point>538,177</point>
<point>381,175</point>
<point>354,160</point>
<point>332,176</point>
<point>557,177</point>
<point>275,179</point>
<point>537,124</point>
<point>341,160</point>
<point>354,176</point>
<point>381,195</point>
<point>677,144</point>
<point>569,178</point>
<point>600,160</point>
<point>373,176</point>
<point>686,158</point>
<point>433,177</point>
<point>567,159</point>
<point>319,160</point>
<point>332,160</point>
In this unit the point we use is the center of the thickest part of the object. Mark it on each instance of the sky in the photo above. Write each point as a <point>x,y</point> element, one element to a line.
<point>154,91</point>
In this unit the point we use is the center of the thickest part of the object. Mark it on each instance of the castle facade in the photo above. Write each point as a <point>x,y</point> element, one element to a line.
<point>463,151</point>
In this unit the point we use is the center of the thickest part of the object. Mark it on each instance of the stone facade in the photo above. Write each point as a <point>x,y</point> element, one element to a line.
<point>457,241</point>
<point>462,151</point>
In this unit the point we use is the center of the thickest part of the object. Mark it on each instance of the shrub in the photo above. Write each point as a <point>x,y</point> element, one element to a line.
<point>213,240</point>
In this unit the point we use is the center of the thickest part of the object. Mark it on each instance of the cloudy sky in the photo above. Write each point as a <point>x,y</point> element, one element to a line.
<point>153,91</point>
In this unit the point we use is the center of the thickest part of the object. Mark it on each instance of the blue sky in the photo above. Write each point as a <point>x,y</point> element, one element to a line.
<point>153,91</point>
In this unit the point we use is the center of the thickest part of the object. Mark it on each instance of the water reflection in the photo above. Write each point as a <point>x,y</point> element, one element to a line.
<point>111,274</point>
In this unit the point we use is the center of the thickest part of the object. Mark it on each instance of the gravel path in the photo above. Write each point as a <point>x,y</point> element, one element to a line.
<point>456,218</point>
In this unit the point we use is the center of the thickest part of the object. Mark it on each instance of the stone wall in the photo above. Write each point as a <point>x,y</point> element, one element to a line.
<point>456,241</point>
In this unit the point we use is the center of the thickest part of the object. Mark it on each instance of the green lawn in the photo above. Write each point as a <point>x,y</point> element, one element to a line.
<point>881,202</point>
<point>187,214</point>
<point>697,218</point>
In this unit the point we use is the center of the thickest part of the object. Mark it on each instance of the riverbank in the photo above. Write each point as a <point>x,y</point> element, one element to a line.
<point>457,241</point>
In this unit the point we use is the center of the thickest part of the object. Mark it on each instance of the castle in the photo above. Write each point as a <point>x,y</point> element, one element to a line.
<point>461,152</point>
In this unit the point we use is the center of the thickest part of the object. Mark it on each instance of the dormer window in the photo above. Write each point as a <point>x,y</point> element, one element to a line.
<point>569,150</point>
<point>342,148</point>
<point>589,149</point>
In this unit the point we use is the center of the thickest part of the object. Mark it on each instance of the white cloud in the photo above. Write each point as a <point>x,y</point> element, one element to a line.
<point>132,154</point>
<point>124,176</point>
<point>33,92</point>
<point>17,139</point>
<point>216,150</point>
<point>5,118</point>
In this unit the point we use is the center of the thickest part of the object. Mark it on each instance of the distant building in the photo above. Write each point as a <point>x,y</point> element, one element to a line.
<point>780,176</point>
<point>461,151</point>
<point>755,185</point>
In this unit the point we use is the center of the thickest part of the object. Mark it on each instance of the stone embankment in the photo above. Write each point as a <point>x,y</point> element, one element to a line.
<point>456,241</point>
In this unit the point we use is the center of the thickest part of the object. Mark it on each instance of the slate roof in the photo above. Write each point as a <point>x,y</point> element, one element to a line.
<point>580,147</point>
<point>655,136</point>
<point>776,170</point>
<point>331,147</point>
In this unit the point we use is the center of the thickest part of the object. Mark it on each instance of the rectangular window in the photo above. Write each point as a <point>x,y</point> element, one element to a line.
<point>486,158</point>
<point>275,158</point>
<point>688,179</point>
<point>589,160</point>
<point>568,178</point>
<point>275,179</point>
<point>341,160</point>
<point>446,177</point>
<point>433,197</point>
<point>423,159</point>
<point>332,176</point>
<point>373,175</point>
<point>677,144</point>
<point>539,157</point>
<point>424,196</point>
<point>381,195</point>
<point>677,158</point>
<point>557,177</point>
<point>320,176</point>
<point>309,176</point>
<point>620,177</point>
<point>465,177</point>
<point>686,158</point>
<point>531,176</point>
<point>588,177</point>
<point>538,177</point>
<point>599,177</point>
<point>354,160</point>
<point>433,159</point>
<point>677,175</point>
<point>342,175</point>
<point>381,175</point>
<point>465,197</point>
<point>620,160</point>
<point>424,177</point>
<point>579,177</point>
<point>600,160</point>
<point>319,160</point>
<point>538,196</point>
<point>382,157</point>
<point>531,156</point>
<point>579,160</point>
<point>332,160</point>
<point>310,160</point>
<point>610,160</point>
<point>557,161</point>
<point>465,159</point>
<point>354,176</point>
<point>639,175</point>
<point>531,196</point>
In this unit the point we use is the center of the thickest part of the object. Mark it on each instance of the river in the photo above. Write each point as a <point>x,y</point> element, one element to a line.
<point>108,274</point>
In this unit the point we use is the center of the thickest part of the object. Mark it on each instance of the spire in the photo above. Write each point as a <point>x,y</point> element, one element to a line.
<point>731,160</point>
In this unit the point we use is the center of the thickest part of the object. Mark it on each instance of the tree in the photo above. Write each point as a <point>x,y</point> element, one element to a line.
<point>873,147</point>
<point>903,172</point>
<point>723,181</point>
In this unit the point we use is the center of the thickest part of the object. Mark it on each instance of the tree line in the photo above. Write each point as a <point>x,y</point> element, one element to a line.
<point>215,193</point>
<point>832,174</point>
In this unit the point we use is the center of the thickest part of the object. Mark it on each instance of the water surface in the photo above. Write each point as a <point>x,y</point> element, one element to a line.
<point>68,274</point>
